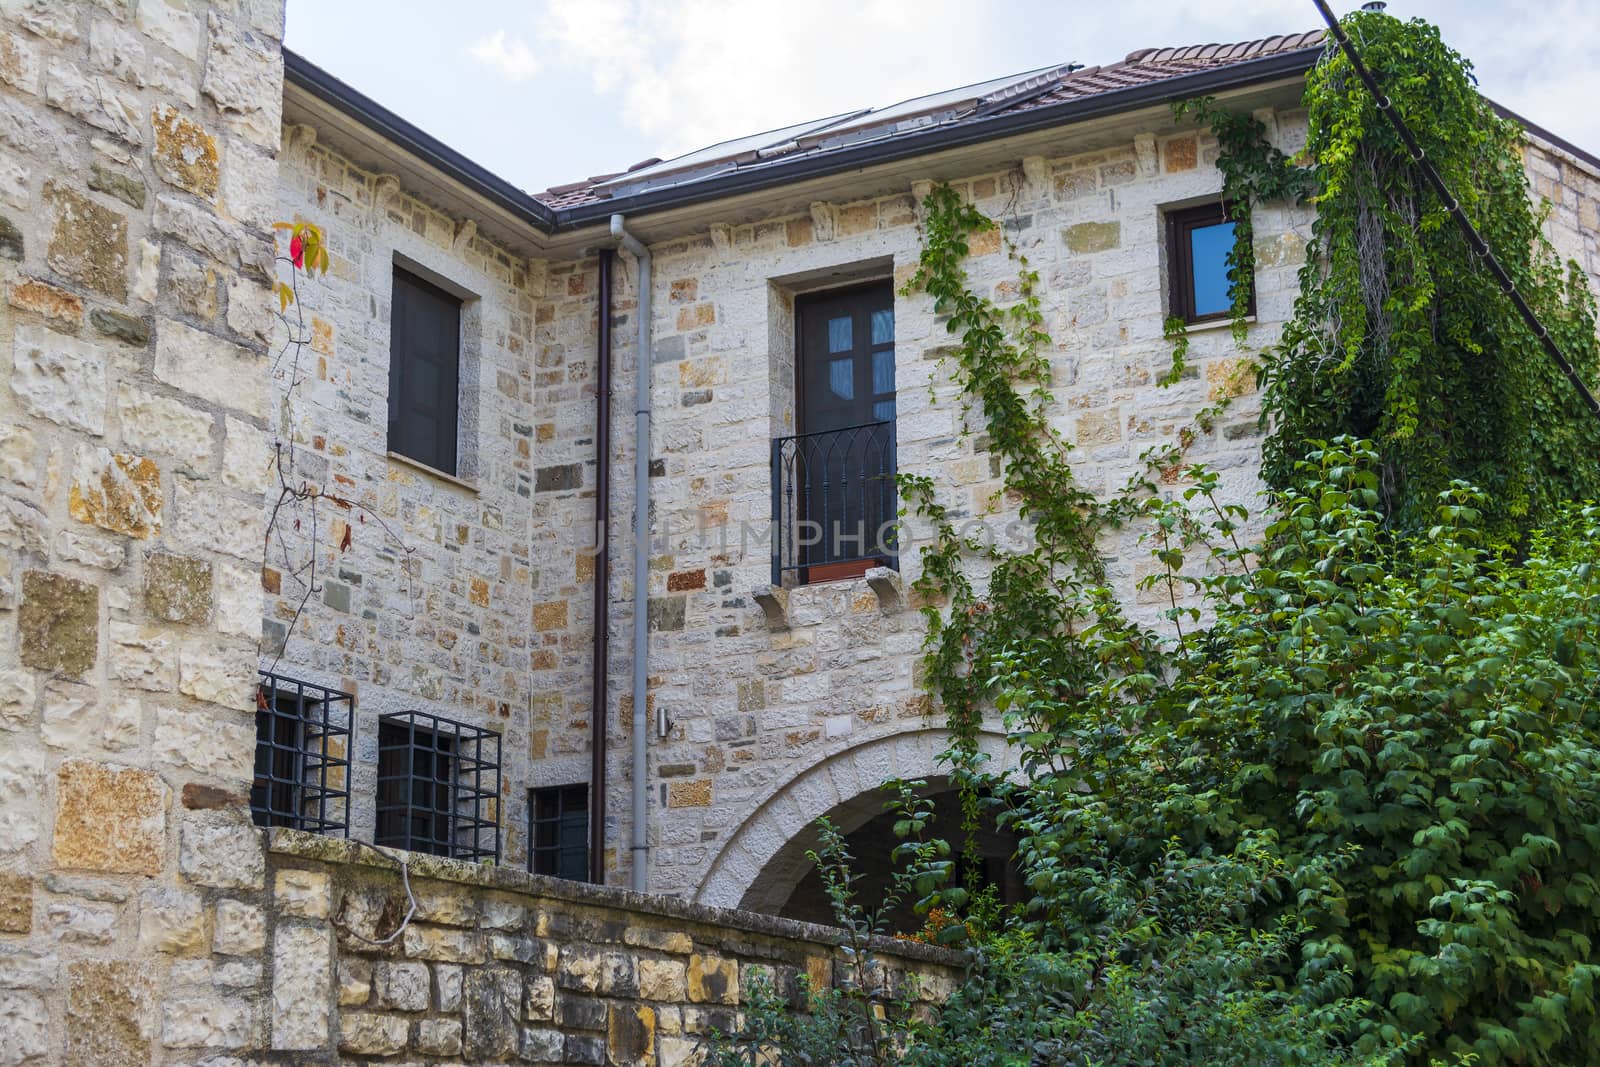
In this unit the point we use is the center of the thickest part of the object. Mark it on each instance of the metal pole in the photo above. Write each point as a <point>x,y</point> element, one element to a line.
<point>599,696</point>
<point>1479,246</point>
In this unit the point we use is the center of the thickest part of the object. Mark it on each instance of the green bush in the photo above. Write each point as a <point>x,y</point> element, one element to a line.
<point>1425,702</point>
<point>1176,976</point>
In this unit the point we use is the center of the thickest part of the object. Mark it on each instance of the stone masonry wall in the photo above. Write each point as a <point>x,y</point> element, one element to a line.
<point>755,707</point>
<point>498,966</point>
<point>138,145</point>
<point>1571,187</point>
<point>437,618</point>
<point>773,723</point>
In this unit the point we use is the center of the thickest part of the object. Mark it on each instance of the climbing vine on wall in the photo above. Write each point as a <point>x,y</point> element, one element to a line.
<point>1253,172</point>
<point>981,600</point>
<point>1400,334</point>
<point>1397,335</point>
<point>306,522</point>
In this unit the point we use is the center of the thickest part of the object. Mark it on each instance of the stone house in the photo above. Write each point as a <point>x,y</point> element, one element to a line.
<point>779,683</point>
<point>460,648</point>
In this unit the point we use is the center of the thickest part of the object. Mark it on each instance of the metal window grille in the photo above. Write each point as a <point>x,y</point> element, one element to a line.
<point>834,501</point>
<point>558,831</point>
<point>302,773</point>
<point>438,786</point>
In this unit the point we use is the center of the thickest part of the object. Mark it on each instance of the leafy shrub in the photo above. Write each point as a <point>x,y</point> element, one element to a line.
<point>1425,700</point>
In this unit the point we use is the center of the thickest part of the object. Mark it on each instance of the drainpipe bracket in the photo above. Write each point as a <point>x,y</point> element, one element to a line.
<point>775,603</point>
<point>886,583</point>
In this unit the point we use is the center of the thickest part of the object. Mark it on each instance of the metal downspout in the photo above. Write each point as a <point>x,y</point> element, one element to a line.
<point>599,698</point>
<point>640,852</point>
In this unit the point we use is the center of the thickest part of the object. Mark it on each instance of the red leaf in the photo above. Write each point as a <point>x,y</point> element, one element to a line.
<point>297,251</point>
<point>344,542</point>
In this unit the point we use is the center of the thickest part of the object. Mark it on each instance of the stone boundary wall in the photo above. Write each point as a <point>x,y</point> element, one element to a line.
<point>499,966</point>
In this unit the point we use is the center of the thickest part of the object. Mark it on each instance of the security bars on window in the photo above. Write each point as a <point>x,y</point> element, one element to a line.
<point>438,786</point>
<point>302,772</point>
<point>558,831</point>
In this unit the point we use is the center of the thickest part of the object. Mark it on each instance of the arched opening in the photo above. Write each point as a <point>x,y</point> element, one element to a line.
<point>763,865</point>
<point>871,846</point>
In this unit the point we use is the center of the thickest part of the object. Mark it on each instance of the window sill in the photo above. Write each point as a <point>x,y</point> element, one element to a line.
<point>407,461</point>
<point>1214,325</point>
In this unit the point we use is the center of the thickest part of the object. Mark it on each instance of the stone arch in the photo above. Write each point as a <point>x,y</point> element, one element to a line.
<point>765,857</point>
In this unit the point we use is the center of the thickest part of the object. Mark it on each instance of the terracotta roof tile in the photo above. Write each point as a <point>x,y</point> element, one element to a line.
<point>1158,64</point>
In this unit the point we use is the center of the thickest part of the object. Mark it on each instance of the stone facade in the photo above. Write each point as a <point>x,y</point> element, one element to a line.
<point>138,146</point>
<point>433,614</point>
<point>498,966</point>
<point>767,723</point>
<point>143,159</point>
<point>1571,188</point>
<point>755,706</point>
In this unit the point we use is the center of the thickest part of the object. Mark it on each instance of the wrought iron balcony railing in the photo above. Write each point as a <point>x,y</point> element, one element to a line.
<point>834,507</point>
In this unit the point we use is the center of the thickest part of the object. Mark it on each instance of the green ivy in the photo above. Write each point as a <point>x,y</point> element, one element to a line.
<point>1425,703</point>
<point>1399,333</point>
<point>1054,590</point>
<point>1253,172</point>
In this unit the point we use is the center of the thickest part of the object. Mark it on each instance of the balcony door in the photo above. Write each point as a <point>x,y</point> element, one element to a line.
<point>844,455</point>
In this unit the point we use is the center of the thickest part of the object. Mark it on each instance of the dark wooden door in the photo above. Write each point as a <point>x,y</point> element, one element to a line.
<point>844,456</point>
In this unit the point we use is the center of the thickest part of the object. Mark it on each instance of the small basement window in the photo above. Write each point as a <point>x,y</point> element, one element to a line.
<point>302,756</point>
<point>558,831</point>
<point>438,787</point>
<point>1199,241</point>
<point>424,372</point>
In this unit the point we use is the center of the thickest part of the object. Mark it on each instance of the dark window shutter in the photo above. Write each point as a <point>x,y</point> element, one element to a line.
<point>424,371</point>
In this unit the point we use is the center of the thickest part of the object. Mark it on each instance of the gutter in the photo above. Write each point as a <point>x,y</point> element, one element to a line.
<point>599,698</point>
<point>640,849</point>
<point>782,170</point>
<point>304,74</point>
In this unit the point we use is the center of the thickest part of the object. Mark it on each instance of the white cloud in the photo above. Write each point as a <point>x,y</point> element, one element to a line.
<point>691,72</point>
<point>511,57</point>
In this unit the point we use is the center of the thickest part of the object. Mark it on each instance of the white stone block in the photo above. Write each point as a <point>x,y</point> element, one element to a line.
<point>241,929</point>
<point>222,849</point>
<point>165,426</point>
<point>170,24</point>
<point>59,378</point>
<point>24,1027</point>
<point>301,893</point>
<point>206,741</point>
<point>204,1018</point>
<point>77,720</point>
<point>210,367</point>
<point>171,920</point>
<point>17,692</point>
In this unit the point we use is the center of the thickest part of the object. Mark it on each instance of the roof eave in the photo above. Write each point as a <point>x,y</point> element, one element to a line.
<point>312,79</point>
<point>939,138</point>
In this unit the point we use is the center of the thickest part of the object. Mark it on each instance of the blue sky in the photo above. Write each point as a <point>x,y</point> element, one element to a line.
<point>551,91</point>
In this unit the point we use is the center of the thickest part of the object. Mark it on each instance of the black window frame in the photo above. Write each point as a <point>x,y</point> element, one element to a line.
<point>548,808</point>
<point>1180,263</point>
<point>301,774</point>
<point>438,787</point>
<point>413,298</point>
